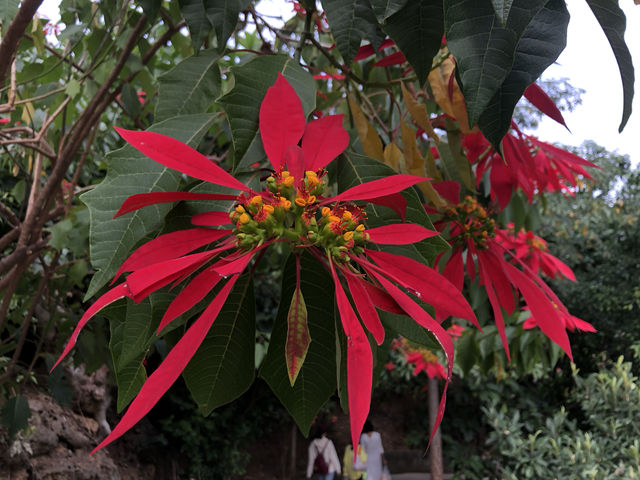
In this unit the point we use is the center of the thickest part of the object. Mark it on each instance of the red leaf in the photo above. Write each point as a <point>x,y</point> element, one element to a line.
<point>454,270</point>
<point>421,317</point>
<point>395,201</point>
<point>395,58</point>
<point>191,294</point>
<point>381,187</point>
<point>237,265</point>
<point>176,155</point>
<point>281,121</point>
<point>449,190</point>
<point>108,298</point>
<point>492,263</point>
<point>495,304</point>
<point>399,234</point>
<point>170,368</point>
<point>140,200</point>
<point>149,279</point>
<point>323,140</point>
<point>364,51</point>
<point>542,102</point>
<point>295,162</point>
<point>381,299</point>
<point>431,286</point>
<point>168,246</point>
<point>546,315</point>
<point>365,307</point>
<point>211,219</point>
<point>359,363</point>
<point>555,265</point>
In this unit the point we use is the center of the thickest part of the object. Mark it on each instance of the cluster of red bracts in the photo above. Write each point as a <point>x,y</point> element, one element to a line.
<point>374,279</point>
<point>494,256</point>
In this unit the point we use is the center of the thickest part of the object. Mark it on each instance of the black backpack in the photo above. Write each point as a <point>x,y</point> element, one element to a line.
<point>320,464</point>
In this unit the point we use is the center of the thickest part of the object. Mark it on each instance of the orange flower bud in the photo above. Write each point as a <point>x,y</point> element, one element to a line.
<point>326,211</point>
<point>300,201</point>
<point>244,218</point>
<point>289,181</point>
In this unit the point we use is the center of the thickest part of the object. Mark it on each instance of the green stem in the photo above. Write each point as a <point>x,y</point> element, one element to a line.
<point>308,21</point>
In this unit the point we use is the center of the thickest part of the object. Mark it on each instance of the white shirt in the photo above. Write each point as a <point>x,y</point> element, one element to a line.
<point>324,446</point>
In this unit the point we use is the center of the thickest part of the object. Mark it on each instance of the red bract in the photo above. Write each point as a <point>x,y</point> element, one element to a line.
<point>292,208</point>
<point>532,250</point>
<point>481,250</point>
<point>528,163</point>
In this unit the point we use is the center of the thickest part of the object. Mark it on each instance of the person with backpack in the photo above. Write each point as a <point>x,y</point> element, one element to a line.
<point>323,462</point>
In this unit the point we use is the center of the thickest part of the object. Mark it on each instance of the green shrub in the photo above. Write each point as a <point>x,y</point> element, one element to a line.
<point>604,445</point>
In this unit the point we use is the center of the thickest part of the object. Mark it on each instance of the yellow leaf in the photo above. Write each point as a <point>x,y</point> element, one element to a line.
<point>419,113</point>
<point>453,105</point>
<point>27,113</point>
<point>416,165</point>
<point>371,143</point>
<point>393,156</point>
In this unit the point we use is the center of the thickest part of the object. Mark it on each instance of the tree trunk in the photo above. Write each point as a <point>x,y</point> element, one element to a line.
<point>435,450</point>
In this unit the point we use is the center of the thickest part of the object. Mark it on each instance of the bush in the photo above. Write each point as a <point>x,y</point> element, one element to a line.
<point>603,445</point>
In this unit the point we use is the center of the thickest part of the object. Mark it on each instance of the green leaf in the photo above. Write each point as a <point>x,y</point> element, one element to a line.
<point>484,50</point>
<point>251,81</point>
<point>417,31</point>
<point>354,169</point>
<point>133,331</point>
<point>383,9</point>
<point>351,21</point>
<point>223,15</point>
<point>540,44</point>
<point>73,88</point>
<point>15,414</point>
<point>613,22</point>
<point>129,173</point>
<point>316,381</point>
<point>190,87</point>
<point>150,8</point>
<point>502,9</point>
<point>8,11</point>
<point>298,338</point>
<point>130,100</point>
<point>408,328</point>
<point>199,25</point>
<point>223,368</point>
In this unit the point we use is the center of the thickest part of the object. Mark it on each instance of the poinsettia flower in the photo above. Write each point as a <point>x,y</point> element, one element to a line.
<point>478,251</point>
<point>532,250</point>
<point>292,208</point>
<point>571,323</point>
<point>527,163</point>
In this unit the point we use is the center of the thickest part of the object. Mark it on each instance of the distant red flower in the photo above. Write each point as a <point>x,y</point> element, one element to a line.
<point>571,323</point>
<point>51,29</point>
<point>291,208</point>
<point>532,250</point>
<point>527,163</point>
<point>390,366</point>
<point>456,330</point>
<point>4,121</point>
<point>478,250</point>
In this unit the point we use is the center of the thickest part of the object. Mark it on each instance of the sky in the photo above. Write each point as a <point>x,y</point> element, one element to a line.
<point>587,62</point>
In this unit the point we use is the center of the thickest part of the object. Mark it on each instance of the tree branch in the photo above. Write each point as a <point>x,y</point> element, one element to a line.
<point>14,34</point>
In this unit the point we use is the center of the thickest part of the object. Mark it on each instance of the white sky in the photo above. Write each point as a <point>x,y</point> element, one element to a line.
<point>587,62</point>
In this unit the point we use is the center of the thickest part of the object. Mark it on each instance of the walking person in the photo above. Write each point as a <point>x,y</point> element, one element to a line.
<point>372,444</point>
<point>323,462</point>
